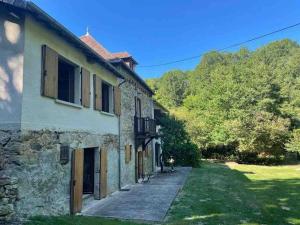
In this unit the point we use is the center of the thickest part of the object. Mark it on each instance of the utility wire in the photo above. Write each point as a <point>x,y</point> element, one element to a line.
<point>225,48</point>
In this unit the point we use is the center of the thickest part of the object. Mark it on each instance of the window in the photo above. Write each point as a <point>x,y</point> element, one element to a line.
<point>68,82</point>
<point>138,111</point>
<point>107,98</point>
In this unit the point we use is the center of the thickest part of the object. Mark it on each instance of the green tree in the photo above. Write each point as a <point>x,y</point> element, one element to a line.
<point>172,88</point>
<point>246,99</point>
<point>294,144</point>
<point>177,143</point>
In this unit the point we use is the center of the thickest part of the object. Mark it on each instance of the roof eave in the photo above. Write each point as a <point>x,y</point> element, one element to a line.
<point>120,62</point>
<point>41,15</point>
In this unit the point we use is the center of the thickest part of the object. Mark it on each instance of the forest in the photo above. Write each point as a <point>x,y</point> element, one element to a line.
<point>242,105</point>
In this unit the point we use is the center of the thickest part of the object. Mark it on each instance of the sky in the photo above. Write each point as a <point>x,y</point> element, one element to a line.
<point>160,31</point>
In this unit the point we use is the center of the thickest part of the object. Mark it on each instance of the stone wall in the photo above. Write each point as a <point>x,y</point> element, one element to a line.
<point>8,198</point>
<point>129,90</point>
<point>32,179</point>
<point>127,132</point>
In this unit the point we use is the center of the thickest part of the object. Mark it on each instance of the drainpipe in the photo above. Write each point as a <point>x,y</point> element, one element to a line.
<point>119,126</point>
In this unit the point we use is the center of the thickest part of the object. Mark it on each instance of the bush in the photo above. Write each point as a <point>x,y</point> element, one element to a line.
<point>256,158</point>
<point>177,143</point>
<point>221,152</point>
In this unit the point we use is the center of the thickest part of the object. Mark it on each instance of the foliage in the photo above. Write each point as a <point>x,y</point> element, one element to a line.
<point>262,133</point>
<point>249,99</point>
<point>294,144</point>
<point>176,143</point>
<point>175,84</point>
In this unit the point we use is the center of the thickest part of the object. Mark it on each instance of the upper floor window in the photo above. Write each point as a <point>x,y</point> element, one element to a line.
<point>107,98</point>
<point>68,82</point>
<point>61,79</point>
<point>138,107</point>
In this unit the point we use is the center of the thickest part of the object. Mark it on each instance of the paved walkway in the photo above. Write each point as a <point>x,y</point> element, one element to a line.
<point>149,201</point>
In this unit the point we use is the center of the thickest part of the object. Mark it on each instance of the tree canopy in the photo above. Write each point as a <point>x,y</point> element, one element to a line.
<point>248,99</point>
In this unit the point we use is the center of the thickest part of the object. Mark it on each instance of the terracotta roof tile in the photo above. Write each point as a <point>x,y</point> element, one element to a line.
<point>101,50</point>
<point>96,46</point>
<point>121,55</point>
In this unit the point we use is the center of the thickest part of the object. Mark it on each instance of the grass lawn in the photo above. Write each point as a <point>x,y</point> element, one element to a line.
<point>239,194</point>
<point>224,194</point>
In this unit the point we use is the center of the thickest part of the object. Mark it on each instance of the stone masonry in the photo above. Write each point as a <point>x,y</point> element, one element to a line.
<point>32,179</point>
<point>130,90</point>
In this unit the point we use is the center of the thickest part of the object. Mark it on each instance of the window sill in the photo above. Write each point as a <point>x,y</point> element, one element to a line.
<point>107,114</point>
<point>68,104</point>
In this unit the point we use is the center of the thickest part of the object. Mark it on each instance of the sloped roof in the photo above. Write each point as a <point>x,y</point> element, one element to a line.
<point>101,50</point>
<point>114,58</point>
<point>90,41</point>
<point>121,55</point>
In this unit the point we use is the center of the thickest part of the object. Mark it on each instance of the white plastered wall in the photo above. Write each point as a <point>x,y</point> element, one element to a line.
<point>11,69</point>
<point>40,112</point>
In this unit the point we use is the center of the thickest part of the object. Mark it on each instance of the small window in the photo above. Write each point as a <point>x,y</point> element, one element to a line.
<point>68,82</point>
<point>138,111</point>
<point>107,98</point>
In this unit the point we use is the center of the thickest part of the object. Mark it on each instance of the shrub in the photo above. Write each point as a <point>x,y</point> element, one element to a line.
<point>255,158</point>
<point>177,143</point>
<point>221,152</point>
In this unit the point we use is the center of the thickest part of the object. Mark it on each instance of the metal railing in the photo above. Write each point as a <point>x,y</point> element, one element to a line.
<point>144,126</point>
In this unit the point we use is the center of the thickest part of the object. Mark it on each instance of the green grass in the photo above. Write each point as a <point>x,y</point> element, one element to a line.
<point>239,194</point>
<point>224,194</point>
<point>77,220</point>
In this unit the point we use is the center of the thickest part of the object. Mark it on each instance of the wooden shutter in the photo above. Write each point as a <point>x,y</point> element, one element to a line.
<point>86,92</point>
<point>97,93</point>
<point>77,181</point>
<point>117,101</point>
<point>103,173</point>
<point>49,72</point>
<point>127,154</point>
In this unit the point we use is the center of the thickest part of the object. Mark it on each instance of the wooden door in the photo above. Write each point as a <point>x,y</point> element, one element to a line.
<point>77,181</point>
<point>140,164</point>
<point>103,173</point>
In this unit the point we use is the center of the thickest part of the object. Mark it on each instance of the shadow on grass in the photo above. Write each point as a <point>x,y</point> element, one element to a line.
<point>216,194</point>
<point>77,220</point>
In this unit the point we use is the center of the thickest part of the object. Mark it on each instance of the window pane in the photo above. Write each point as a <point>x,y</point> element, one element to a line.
<point>66,80</point>
<point>105,97</point>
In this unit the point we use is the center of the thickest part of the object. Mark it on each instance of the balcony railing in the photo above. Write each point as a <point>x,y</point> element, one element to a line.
<point>144,127</point>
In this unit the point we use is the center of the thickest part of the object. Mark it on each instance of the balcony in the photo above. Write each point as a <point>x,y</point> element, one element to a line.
<point>144,127</point>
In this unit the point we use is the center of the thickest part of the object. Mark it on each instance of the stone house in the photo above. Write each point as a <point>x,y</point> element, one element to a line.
<point>76,121</point>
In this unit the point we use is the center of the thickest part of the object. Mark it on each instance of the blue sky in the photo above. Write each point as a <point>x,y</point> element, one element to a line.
<point>159,31</point>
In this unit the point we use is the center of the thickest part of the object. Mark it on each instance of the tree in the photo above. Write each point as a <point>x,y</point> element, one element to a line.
<point>247,100</point>
<point>177,143</point>
<point>172,88</point>
<point>294,144</point>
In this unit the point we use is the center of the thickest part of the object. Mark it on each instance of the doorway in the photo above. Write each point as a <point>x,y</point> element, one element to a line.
<point>88,171</point>
<point>85,177</point>
<point>139,161</point>
<point>157,154</point>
